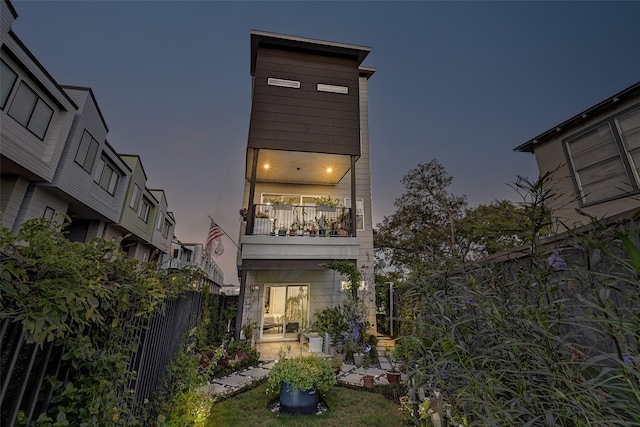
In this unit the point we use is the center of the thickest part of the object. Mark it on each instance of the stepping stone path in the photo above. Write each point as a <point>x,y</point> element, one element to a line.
<point>349,374</point>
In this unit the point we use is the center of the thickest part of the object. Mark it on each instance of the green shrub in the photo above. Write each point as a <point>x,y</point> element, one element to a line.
<point>85,298</point>
<point>303,373</point>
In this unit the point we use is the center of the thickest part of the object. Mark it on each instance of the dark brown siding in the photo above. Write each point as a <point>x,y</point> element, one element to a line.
<point>305,119</point>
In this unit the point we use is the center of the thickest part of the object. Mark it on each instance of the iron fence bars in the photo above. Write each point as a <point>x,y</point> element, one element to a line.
<point>25,393</point>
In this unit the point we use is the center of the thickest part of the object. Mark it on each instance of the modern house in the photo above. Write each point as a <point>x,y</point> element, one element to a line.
<point>594,159</point>
<point>308,147</point>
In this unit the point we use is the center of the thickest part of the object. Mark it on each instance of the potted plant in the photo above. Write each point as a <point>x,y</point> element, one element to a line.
<point>278,204</point>
<point>300,381</point>
<point>393,375</point>
<point>262,224</point>
<point>330,322</point>
<point>336,364</point>
<point>322,226</point>
<point>326,204</point>
<point>248,329</point>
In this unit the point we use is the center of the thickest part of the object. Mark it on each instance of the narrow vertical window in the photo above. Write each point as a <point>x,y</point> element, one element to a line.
<point>87,152</point>
<point>135,197</point>
<point>7,79</point>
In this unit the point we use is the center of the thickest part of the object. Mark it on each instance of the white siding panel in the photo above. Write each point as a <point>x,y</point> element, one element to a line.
<point>13,189</point>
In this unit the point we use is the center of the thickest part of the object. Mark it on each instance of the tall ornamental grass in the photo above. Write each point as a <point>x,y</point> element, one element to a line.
<point>547,339</point>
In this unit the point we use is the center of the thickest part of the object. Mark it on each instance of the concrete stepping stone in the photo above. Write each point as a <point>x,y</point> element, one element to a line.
<point>233,380</point>
<point>371,371</point>
<point>353,379</point>
<point>257,373</point>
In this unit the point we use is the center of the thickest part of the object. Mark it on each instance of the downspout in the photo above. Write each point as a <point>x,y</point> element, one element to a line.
<point>243,287</point>
<point>353,197</point>
<point>251,214</point>
<point>250,220</point>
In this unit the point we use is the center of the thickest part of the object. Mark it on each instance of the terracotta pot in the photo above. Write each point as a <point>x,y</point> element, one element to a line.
<point>393,376</point>
<point>367,381</point>
<point>341,356</point>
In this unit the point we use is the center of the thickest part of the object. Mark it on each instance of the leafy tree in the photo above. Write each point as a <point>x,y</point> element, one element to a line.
<point>426,224</point>
<point>488,229</point>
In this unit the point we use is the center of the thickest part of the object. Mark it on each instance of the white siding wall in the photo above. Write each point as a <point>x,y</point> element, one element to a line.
<point>76,181</point>
<point>324,289</point>
<point>36,200</point>
<point>18,143</point>
<point>12,191</point>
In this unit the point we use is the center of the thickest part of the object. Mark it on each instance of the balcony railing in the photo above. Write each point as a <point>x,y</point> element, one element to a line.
<point>296,220</point>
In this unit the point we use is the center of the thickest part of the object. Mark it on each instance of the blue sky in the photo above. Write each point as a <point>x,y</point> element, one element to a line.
<point>461,82</point>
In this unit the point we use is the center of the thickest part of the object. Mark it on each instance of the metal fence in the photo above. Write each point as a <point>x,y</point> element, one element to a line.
<point>24,367</point>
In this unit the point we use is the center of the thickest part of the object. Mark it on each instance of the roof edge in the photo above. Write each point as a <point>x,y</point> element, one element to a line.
<point>602,106</point>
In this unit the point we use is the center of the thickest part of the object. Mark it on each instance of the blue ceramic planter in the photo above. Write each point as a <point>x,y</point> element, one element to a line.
<point>298,402</point>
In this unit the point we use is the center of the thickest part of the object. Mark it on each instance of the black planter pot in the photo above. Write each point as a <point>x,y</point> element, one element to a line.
<point>298,402</point>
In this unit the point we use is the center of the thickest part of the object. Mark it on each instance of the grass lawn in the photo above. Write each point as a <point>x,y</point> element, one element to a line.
<point>347,408</point>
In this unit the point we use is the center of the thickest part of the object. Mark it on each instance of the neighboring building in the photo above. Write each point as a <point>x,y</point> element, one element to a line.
<point>138,215</point>
<point>193,255</point>
<point>91,177</point>
<point>594,158</point>
<point>55,159</point>
<point>165,223</point>
<point>308,141</point>
<point>35,120</point>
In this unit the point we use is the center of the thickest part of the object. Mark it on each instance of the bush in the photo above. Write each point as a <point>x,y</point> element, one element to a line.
<point>303,373</point>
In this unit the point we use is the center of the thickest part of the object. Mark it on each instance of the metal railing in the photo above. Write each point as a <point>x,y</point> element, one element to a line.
<point>24,367</point>
<point>297,220</point>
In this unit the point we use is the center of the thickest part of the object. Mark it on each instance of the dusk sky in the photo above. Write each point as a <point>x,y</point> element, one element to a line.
<point>460,82</point>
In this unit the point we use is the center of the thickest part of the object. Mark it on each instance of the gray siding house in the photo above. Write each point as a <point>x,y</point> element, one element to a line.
<point>594,158</point>
<point>35,116</point>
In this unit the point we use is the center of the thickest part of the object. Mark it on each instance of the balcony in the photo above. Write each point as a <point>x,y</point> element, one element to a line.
<point>296,232</point>
<point>293,220</point>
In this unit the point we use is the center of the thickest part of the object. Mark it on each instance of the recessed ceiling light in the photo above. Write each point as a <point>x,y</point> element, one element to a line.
<point>266,166</point>
<point>329,170</point>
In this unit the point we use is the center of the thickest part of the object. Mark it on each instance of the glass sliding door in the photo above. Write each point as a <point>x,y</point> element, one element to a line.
<point>285,312</point>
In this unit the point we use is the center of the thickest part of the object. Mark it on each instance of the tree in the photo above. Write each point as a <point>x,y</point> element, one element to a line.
<point>488,229</point>
<point>426,224</point>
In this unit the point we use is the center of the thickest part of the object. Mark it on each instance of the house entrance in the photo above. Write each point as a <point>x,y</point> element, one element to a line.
<point>285,311</point>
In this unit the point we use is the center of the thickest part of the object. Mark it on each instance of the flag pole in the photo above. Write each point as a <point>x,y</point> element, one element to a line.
<point>225,233</point>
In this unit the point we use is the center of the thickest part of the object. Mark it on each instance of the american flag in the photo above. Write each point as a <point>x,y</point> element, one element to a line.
<point>215,233</point>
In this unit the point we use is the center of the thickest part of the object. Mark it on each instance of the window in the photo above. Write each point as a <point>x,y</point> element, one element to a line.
<point>145,210</point>
<point>605,157</point>
<point>86,155</point>
<point>332,88</point>
<point>283,83</point>
<point>629,128</point>
<point>165,229</point>
<point>134,203</point>
<point>31,111</point>
<point>7,79</point>
<point>49,212</point>
<point>160,221</point>
<point>107,176</point>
